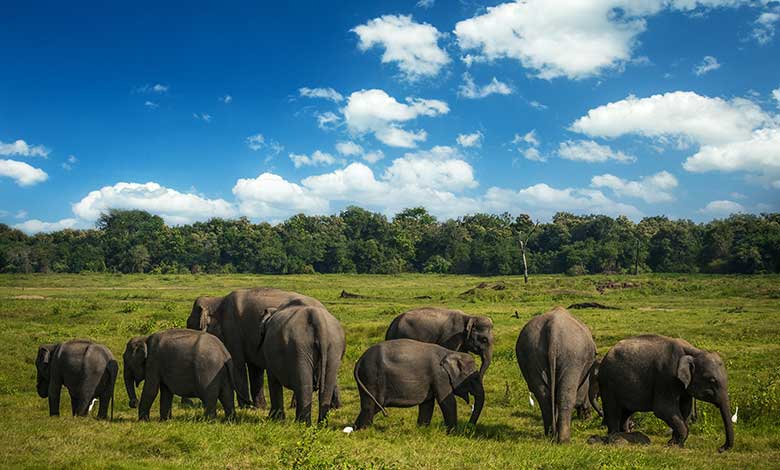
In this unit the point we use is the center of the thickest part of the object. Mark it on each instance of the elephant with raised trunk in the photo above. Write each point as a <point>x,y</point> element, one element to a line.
<point>451,329</point>
<point>88,370</point>
<point>234,319</point>
<point>302,346</point>
<point>403,372</point>
<point>191,364</point>
<point>663,375</point>
<point>555,352</point>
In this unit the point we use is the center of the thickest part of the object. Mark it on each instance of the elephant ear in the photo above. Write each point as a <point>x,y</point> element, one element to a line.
<point>685,370</point>
<point>140,349</point>
<point>469,327</point>
<point>458,368</point>
<point>205,317</point>
<point>44,355</point>
<point>267,314</point>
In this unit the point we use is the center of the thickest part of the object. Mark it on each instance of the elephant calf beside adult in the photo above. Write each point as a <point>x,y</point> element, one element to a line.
<point>403,373</point>
<point>451,329</point>
<point>303,346</point>
<point>88,370</point>
<point>663,375</point>
<point>555,352</point>
<point>191,364</point>
<point>234,319</point>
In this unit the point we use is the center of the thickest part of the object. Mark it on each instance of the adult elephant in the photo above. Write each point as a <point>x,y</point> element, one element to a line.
<point>403,373</point>
<point>451,329</point>
<point>303,345</point>
<point>663,375</point>
<point>181,362</point>
<point>555,352</point>
<point>234,319</point>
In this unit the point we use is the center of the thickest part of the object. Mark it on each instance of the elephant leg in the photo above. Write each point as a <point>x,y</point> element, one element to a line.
<point>449,408</point>
<point>425,413</point>
<point>256,385</point>
<point>545,404</point>
<point>303,398</point>
<point>293,402</point>
<point>613,416</point>
<point>686,407</point>
<point>277,397</point>
<point>166,402</point>
<point>105,400</point>
<point>336,402</point>
<point>74,405</point>
<point>670,414</point>
<point>87,392</point>
<point>55,389</point>
<point>626,425</point>
<point>242,386</point>
<point>149,393</point>
<point>226,399</point>
<point>566,400</point>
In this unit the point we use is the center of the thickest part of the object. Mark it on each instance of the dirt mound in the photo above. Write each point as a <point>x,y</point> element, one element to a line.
<point>501,285</point>
<point>591,305</point>
<point>603,286</point>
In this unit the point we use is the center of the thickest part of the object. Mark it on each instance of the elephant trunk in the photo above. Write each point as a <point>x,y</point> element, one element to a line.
<point>130,386</point>
<point>479,401</point>
<point>487,358</point>
<point>728,426</point>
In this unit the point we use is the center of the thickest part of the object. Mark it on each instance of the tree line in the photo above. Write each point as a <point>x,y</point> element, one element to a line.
<point>361,241</point>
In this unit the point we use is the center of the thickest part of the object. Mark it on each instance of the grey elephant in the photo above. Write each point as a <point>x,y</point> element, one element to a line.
<point>663,375</point>
<point>452,329</point>
<point>188,363</point>
<point>588,393</point>
<point>403,373</point>
<point>302,346</point>
<point>88,370</point>
<point>234,319</point>
<point>555,352</point>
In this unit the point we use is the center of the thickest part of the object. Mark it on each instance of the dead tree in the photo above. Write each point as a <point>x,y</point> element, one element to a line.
<point>523,244</point>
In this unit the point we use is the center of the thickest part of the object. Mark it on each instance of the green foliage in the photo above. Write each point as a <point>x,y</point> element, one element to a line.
<point>360,241</point>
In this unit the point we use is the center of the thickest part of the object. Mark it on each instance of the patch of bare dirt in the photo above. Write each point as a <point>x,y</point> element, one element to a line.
<point>501,285</point>
<point>604,286</point>
<point>28,297</point>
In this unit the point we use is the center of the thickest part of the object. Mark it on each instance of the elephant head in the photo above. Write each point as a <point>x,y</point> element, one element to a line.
<point>134,359</point>
<point>478,332</point>
<point>465,380</point>
<point>204,315</point>
<point>703,375</point>
<point>42,364</point>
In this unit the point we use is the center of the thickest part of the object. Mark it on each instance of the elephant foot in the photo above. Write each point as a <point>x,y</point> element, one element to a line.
<point>675,443</point>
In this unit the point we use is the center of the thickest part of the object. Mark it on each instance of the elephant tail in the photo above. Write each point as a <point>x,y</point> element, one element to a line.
<point>113,372</point>
<point>233,382</point>
<point>362,386</point>
<point>553,373</point>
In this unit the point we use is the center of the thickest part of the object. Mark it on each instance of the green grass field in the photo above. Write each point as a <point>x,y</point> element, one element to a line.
<point>737,316</point>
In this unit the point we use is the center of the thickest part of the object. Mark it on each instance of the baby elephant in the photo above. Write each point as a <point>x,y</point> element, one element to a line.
<point>187,363</point>
<point>402,373</point>
<point>87,369</point>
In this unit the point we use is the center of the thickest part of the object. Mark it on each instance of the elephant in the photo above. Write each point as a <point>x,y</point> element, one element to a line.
<point>179,362</point>
<point>588,393</point>
<point>663,375</point>
<point>88,370</point>
<point>302,346</point>
<point>234,318</point>
<point>555,352</point>
<point>403,372</point>
<point>452,329</point>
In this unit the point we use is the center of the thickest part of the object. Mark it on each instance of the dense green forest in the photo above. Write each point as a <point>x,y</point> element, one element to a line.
<point>357,240</point>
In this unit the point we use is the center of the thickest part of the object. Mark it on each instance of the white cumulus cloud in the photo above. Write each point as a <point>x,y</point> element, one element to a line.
<point>590,152</point>
<point>22,173</point>
<point>33,226</point>
<point>173,206</point>
<point>708,64</point>
<point>349,148</point>
<point>324,93</point>
<point>413,46</point>
<point>318,158</point>
<point>23,149</point>
<point>470,140</point>
<point>469,89</point>
<point>654,188</point>
<point>374,111</point>
<point>722,208</point>
<point>543,201</point>
<point>271,197</point>
<point>765,26</point>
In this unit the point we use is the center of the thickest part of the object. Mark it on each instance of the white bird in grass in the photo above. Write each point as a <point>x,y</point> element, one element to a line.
<point>91,405</point>
<point>347,430</point>
<point>735,417</point>
<point>531,400</point>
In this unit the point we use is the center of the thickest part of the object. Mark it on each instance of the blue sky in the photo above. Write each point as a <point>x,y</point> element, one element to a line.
<point>202,109</point>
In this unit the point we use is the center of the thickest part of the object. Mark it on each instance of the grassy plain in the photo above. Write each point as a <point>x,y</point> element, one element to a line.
<point>737,316</point>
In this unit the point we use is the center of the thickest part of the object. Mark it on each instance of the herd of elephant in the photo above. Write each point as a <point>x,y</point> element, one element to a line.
<point>424,360</point>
